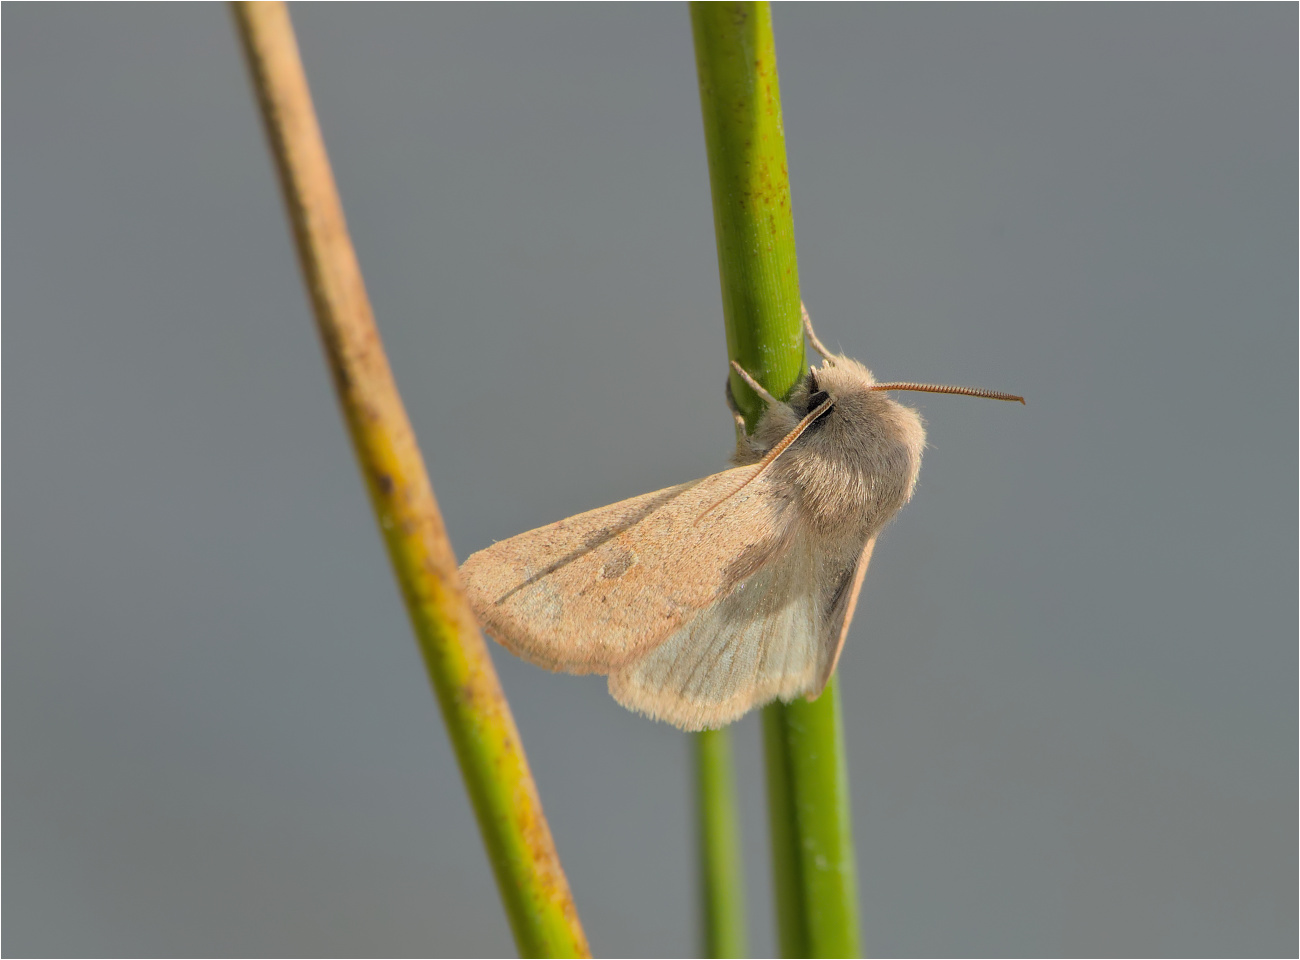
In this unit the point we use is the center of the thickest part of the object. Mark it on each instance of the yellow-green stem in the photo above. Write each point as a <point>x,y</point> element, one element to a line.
<point>813,862</point>
<point>532,884</point>
<point>722,878</point>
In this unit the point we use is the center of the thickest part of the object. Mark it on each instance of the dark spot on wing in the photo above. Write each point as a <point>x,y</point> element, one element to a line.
<point>599,537</point>
<point>619,562</point>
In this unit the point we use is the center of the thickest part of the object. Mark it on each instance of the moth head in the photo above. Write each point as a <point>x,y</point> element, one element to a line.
<point>855,391</point>
<point>858,411</point>
<point>852,419</point>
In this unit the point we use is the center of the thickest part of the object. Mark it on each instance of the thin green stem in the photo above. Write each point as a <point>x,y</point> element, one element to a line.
<point>741,103</point>
<point>721,873</point>
<point>529,877</point>
<point>808,799</point>
<point>812,830</point>
<point>787,865</point>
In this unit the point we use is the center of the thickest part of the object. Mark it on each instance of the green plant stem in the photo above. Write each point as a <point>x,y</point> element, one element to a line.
<point>721,873</point>
<point>531,882</point>
<point>815,880</point>
<point>808,799</point>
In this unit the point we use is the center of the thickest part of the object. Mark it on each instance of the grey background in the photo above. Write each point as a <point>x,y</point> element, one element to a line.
<point>1070,693</point>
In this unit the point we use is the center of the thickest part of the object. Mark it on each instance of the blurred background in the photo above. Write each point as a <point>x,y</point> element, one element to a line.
<point>1070,691</point>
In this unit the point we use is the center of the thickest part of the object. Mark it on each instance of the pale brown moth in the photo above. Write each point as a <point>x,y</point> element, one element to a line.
<point>710,598</point>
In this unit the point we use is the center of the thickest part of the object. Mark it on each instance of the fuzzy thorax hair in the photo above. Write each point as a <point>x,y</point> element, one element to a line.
<point>856,465</point>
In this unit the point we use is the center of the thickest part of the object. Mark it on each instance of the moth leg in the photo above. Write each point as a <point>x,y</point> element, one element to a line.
<point>812,337</point>
<point>742,435</point>
<point>753,384</point>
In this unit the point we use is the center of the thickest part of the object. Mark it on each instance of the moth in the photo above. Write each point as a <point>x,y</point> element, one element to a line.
<point>705,600</point>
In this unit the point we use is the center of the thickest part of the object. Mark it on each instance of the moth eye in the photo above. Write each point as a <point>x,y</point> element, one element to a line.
<point>815,401</point>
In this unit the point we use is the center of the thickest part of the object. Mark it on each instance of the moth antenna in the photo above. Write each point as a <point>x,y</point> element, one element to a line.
<point>812,337</point>
<point>780,447</point>
<point>753,384</point>
<point>939,388</point>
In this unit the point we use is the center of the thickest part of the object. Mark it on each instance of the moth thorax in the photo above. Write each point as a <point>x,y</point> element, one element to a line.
<point>861,466</point>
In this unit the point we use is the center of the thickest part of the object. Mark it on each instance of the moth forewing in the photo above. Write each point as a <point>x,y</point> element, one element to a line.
<point>596,591</point>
